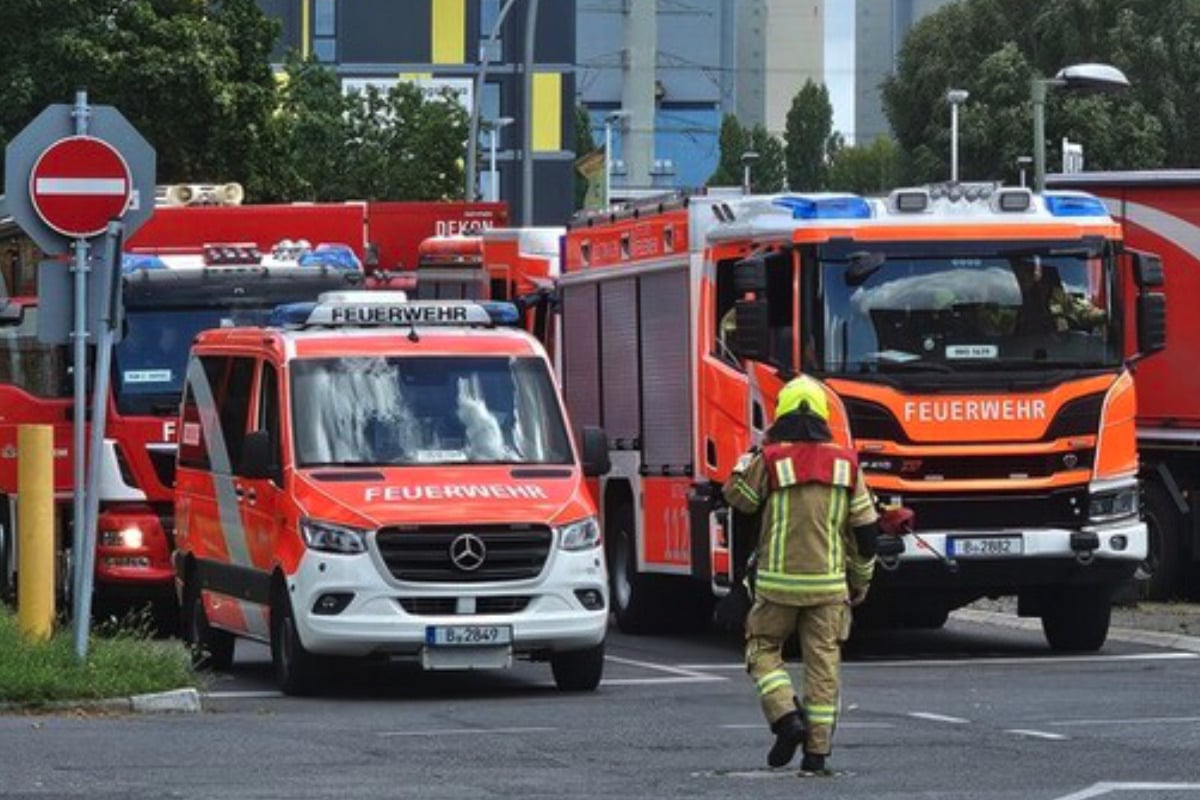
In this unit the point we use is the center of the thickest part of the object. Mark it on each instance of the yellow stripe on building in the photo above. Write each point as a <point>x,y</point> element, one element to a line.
<point>547,112</point>
<point>448,32</point>
<point>305,29</point>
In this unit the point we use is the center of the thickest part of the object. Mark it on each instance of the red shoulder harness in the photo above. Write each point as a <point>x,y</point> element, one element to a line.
<point>791,463</point>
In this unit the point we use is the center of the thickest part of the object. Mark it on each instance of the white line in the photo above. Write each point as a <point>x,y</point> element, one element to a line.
<point>687,673</point>
<point>76,186</point>
<point>1139,721</point>
<point>464,731</point>
<point>1099,789</point>
<point>1036,734</point>
<point>712,667</point>
<point>841,724</point>
<point>660,681</point>
<point>928,715</point>
<point>247,695</point>
<point>971,662</point>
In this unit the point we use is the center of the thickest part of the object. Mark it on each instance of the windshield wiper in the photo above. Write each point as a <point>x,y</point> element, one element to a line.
<point>319,464</point>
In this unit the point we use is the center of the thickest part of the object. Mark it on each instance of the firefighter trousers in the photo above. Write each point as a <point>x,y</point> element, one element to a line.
<point>821,629</point>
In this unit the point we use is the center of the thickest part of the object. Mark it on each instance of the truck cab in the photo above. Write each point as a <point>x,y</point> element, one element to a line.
<point>373,476</point>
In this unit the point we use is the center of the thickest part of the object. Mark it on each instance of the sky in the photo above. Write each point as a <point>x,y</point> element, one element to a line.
<point>839,63</point>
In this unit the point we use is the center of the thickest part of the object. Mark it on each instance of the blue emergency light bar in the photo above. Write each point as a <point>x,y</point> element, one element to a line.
<point>335,256</point>
<point>1074,205</point>
<point>132,262</point>
<point>343,310</point>
<point>825,206</point>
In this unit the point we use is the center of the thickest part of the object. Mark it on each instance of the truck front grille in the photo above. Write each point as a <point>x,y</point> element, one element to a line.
<point>422,554</point>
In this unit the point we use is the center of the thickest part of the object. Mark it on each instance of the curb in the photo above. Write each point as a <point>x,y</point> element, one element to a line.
<point>177,701</point>
<point>1172,641</point>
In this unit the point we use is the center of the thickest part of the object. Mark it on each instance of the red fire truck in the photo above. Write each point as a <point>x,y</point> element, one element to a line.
<point>970,337</point>
<point>1160,212</point>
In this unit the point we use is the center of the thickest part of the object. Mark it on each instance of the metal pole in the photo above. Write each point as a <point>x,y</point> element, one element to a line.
<point>495,193</point>
<point>954,142</point>
<point>470,191</point>
<point>607,161</point>
<point>79,419</point>
<point>531,13</point>
<point>1038,93</point>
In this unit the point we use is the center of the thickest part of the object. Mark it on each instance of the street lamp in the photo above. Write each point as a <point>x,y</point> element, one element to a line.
<point>955,97</point>
<point>1077,77</point>
<point>748,159</point>
<point>494,128</point>
<point>612,118</point>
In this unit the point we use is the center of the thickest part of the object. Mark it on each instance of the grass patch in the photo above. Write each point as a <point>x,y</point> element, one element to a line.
<point>123,659</point>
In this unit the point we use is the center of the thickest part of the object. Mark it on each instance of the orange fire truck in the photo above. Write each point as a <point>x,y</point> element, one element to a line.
<point>971,337</point>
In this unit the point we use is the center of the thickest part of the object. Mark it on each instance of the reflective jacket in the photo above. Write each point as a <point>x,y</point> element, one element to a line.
<point>813,496</point>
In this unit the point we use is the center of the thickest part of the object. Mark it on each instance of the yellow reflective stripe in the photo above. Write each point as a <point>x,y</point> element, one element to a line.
<point>801,584</point>
<point>773,681</point>
<point>778,525</point>
<point>863,571</point>
<point>785,472</point>
<point>860,503</point>
<point>739,483</point>
<point>830,533</point>
<point>820,714</point>
<point>839,524</point>
<point>841,472</point>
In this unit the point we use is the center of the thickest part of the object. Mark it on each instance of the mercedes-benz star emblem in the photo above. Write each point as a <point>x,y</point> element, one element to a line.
<point>467,551</point>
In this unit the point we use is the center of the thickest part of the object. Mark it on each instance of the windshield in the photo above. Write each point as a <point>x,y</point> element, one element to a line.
<point>405,411</point>
<point>150,361</point>
<point>41,369</point>
<point>959,313</point>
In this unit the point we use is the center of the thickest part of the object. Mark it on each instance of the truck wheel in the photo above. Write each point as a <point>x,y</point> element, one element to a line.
<point>211,648</point>
<point>633,595</point>
<point>578,670</point>
<point>930,617</point>
<point>1160,575</point>
<point>297,671</point>
<point>1076,619</point>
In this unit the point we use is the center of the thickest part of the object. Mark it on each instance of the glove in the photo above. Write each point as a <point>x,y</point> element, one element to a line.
<point>859,594</point>
<point>897,520</point>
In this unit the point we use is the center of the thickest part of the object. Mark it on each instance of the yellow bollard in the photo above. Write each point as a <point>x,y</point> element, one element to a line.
<point>35,530</point>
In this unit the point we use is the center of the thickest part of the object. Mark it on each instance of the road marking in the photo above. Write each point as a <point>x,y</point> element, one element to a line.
<point>841,724</point>
<point>1057,737</point>
<point>660,681</point>
<point>466,731</point>
<point>928,715</point>
<point>246,695</point>
<point>1139,721</point>
<point>1100,789</point>
<point>680,671</point>
<point>972,662</point>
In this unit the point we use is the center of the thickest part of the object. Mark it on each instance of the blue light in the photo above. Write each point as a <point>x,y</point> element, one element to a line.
<point>290,314</point>
<point>335,256</point>
<point>132,262</point>
<point>828,207</point>
<point>502,313</point>
<point>1075,205</point>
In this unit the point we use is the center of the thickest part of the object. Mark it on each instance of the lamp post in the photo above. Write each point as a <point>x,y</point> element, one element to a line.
<point>1077,77</point>
<point>748,159</point>
<point>494,128</point>
<point>955,97</point>
<point>612,118</point>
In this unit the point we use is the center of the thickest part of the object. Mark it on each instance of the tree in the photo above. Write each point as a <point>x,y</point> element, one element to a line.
<point>810,138</point>
<point>193,76</point>
<point>732,143</point>
<point>1001,45</point>
<point>766,172</point>
<point>866,169</point>
<point>585,144</point>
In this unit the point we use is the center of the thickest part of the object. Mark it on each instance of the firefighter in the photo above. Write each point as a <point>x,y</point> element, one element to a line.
<point>814,560</point>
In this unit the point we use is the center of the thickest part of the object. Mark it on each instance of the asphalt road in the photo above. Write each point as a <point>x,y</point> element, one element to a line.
<point>968,712</point>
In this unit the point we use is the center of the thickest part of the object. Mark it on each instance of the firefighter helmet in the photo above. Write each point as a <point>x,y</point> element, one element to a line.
<point>803,394</point>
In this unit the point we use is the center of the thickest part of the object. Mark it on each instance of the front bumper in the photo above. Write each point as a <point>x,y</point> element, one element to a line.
<point>376,622</point>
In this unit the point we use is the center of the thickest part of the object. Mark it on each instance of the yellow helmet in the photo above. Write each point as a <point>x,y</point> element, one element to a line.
<point>803,394</point>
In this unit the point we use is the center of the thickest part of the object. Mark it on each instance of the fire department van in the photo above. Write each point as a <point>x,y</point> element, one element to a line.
<point>369,476</point>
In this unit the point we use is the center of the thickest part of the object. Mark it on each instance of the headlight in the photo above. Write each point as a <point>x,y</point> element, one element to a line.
<point>1113,505</point>
<point>581,535</point>
<point>333,538</point>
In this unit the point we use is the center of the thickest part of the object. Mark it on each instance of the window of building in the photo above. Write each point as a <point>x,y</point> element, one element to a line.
<point>489,11</point>
<point>325,30</point>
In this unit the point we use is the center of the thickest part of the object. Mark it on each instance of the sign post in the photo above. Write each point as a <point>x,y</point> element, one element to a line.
<point>68,174</point>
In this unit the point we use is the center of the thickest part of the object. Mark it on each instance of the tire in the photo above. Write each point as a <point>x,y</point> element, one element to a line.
<point>578,670</point>
<point>297,671</point>
<point>635,603</point>
<point>164,611</point>
<point>1160,576</point>
<point>1076,619</point>
<point>211,648</point>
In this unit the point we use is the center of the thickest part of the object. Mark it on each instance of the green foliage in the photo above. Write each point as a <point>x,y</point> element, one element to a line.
<point>1000,46</point>
<point>810,139</point>
<point>584,143</point>
<point>122,660</point>
<point>767,173</point>
<point>872,168</point>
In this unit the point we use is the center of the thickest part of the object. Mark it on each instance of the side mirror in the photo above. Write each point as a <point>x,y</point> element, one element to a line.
<point>863,265</point>
<point>1151,322</point>
<point>750,275</point>
<point>595,452</point>
<point>1147,270</point>
<point>258,457</point>
<point>751,338</point>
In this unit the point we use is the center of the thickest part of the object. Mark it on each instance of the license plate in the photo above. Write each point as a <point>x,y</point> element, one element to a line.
<point>467,635</point>
<point>966,547</point>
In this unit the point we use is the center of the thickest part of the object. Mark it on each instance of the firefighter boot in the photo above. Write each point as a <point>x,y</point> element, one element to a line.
<point>813,764</point>
<point>789,735</point>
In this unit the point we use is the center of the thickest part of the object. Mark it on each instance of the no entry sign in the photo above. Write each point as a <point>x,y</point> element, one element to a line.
<point>78,184</point>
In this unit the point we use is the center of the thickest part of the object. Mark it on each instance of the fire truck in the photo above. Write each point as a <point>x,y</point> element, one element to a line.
<point>1160,212</point>
<point>971,340</point>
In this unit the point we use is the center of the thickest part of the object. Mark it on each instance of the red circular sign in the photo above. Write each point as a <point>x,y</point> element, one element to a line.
<point>78,184</point>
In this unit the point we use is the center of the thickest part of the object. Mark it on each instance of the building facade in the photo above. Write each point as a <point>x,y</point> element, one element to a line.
<point>879,30</point>
<point>441,43</point>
